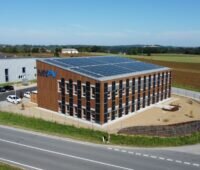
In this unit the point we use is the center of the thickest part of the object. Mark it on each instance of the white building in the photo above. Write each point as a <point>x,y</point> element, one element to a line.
<point>17,69</point>
<point>69,51</point>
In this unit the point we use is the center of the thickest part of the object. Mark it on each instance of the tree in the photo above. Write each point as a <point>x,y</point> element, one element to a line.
<point>57,52</point>
<point>35,50</point>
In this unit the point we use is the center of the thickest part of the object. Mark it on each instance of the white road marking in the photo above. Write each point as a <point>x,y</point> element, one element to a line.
<point>53,137</point>
<point>131,152</point>
<point>178,161</point>
<point>187,163</point>
<point>145,155</point>
<point>110,148</point>
<point>123,151</point>
<point>154,157</point>
<point>195,164</point>
<point>20,164</point>
<point>170,160</point>
<point>137,153</point>
<point>161,158</point>
<point>66,155</point>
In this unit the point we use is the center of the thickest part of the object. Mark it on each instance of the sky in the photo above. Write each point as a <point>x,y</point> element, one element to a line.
<point>100,22</point>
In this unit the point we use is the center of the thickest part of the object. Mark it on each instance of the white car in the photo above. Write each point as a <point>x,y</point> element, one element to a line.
<point>27,94</point>
<point>13,99</point>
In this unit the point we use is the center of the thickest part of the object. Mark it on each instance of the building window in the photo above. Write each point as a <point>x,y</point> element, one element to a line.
<point>6,75</point>
<point>93,92</point>
<point>63,95</point>
<point>75,89</point>
<point>23,69</point>
<point>109,94</point>
<point>93,115</point>
<point>136,85</point>
<point>59,86</point>
<point>84,113</point>
<point>130,86</point>
<point>123,110</point>
<point>76,111</point>
<point>67,88</point>
<point>88,96</point>
<point>83,90</point>
<point>59,107</point>
<point>116,93</point>
<point>123,91</point>
<point>109,91</point>
<point>70,97</point>
<point>67,108</point>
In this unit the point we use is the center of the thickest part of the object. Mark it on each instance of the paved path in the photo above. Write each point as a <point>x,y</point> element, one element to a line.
<point>35,151</point>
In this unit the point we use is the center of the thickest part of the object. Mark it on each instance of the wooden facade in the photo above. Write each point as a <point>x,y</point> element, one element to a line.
<point>104,107</point>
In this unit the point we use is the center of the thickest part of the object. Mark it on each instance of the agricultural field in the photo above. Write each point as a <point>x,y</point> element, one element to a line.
<point>180,58</point>
<point>186,68</point>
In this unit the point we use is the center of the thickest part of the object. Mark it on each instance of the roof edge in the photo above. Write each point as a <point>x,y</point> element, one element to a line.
<point>106,78</point>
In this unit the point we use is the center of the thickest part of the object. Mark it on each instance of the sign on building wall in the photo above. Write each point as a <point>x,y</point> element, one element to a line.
<point>47,73</point>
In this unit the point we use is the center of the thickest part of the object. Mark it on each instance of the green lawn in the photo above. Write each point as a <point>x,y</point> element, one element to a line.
<point>4,166</point>
<point>91,135</point>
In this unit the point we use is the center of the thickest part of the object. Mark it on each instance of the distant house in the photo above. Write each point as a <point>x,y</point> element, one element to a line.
<point>69,51</point>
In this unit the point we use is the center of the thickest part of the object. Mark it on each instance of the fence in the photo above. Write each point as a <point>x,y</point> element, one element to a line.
<point>187,93</point>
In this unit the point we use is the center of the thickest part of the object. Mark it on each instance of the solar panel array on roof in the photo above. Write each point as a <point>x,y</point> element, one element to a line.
<point>101,67</point>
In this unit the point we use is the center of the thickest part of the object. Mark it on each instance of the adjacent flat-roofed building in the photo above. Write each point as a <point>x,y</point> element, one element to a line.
<point>17,69</point>
<point>100,89</point>
<point>69,51</point>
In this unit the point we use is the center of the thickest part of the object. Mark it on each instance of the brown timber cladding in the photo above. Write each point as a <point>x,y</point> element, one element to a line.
<point>112,99</point>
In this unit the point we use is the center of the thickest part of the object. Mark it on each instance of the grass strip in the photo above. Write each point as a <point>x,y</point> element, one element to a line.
<point>90,135</point>
<point>4,166</point>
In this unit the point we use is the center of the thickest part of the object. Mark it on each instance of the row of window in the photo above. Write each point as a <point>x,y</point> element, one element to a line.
<point>145,84</point>
<point>130,87</point>
<point>75,91</point>
<point>82,114</point>
<point>116,112</point>
<point>113,113</point>
<point>112,91</point>
<point>74,88</point>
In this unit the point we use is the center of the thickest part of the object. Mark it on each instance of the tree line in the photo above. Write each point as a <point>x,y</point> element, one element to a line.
<point>123,49</point>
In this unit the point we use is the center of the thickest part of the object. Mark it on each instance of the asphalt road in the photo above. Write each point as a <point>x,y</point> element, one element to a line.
<point>4,95</point>
<point>36,151</point>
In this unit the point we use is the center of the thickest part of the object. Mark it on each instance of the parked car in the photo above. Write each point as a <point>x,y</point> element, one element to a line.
<point>2,89</point>
<point>27,94</point>
<point>8,88</point>
<point>13,99</point>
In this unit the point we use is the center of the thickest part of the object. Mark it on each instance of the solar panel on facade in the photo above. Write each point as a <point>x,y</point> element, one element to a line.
<point>101,67</point>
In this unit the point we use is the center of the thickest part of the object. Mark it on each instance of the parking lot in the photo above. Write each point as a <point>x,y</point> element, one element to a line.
<point>3,95</point>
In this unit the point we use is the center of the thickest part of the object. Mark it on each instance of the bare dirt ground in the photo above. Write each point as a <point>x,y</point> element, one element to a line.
<point>189,111</point>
